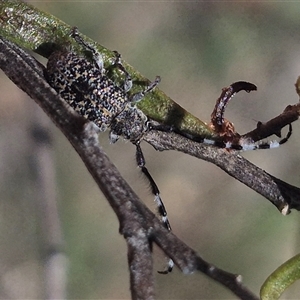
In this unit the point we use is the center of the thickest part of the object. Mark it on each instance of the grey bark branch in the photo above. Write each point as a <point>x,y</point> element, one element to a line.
<point>138,225</point>
<point>283,195</point>
<point>27,74</point>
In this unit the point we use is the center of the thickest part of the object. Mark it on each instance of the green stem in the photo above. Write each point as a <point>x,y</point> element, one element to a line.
<point>35,30</point>
<point>281,279</point>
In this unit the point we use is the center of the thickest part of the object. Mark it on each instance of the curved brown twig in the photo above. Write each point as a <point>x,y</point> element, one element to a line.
<point>219,124</point>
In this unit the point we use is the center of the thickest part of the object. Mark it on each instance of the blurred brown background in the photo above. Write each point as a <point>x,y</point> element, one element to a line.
<point>197,48</point>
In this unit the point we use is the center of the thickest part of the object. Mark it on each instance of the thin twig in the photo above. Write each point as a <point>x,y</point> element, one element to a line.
<point>280,193</point>
<point>274,126</point>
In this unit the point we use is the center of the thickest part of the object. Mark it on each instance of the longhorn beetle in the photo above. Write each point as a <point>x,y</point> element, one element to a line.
<point>85,86</point>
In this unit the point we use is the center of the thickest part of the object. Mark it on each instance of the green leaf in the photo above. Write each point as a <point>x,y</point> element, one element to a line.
<point>281,279</point>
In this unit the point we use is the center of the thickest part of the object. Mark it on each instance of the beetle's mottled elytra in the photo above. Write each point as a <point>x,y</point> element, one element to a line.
<point>86,88</point>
